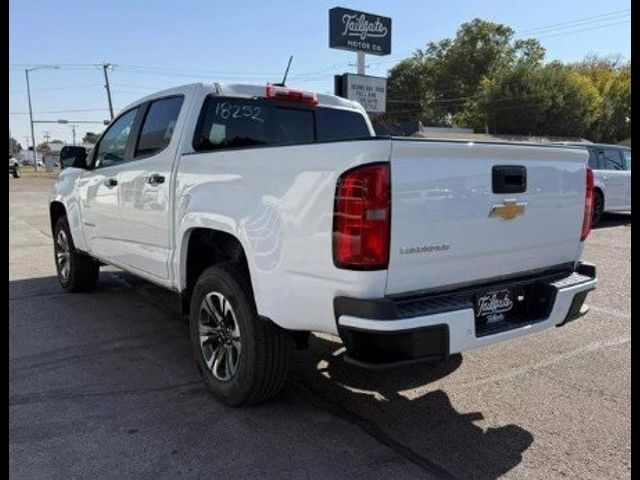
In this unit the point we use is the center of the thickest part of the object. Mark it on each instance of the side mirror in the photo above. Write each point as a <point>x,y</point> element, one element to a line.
<point>73,157</point>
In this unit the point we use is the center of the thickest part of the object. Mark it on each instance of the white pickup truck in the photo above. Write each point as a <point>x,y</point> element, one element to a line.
<point>276,212</point>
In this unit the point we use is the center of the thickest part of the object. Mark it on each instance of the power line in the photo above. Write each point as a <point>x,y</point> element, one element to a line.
<point>596,27</point>
<point>592,19</point>
<point>63,111</point>
<point>69,87</point>
<point>548,29</point>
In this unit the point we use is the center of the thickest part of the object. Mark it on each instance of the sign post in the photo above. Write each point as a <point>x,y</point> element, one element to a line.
<point>362,33</point>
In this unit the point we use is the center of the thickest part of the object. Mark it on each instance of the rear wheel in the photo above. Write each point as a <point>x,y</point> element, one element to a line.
<point>598,208</point>
<point>77,272</point>
<point>243,358</point>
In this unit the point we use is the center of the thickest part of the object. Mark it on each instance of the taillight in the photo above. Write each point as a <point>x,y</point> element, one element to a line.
<point>588,206</point>
<point>362,218</point>
<point>290,95</point>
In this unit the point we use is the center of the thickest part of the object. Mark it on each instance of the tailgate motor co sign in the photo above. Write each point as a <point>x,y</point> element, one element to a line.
<point>359,31</point>
<point>370,92</point>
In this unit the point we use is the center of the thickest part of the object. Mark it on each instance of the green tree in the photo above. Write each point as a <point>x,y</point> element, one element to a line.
<point>90,137</point>
<point>612,78</point>
<point>440,83</point>
<point>14,146</point>
<point>550,100</point>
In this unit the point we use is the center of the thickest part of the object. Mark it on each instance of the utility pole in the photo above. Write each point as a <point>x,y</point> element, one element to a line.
<point>105,67</point>
<point>73,132</point>
<point>33,135</point>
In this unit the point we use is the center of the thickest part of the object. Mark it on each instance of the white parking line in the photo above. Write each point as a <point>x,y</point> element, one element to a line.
<point>613,313</point>
<point>515,372</point>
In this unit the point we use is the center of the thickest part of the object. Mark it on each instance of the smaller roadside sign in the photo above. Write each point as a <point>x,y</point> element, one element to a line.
<point>359,31</point>
<point>370,92</point>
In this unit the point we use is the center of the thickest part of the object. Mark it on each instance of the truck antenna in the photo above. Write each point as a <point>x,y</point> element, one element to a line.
<point>286,72</point>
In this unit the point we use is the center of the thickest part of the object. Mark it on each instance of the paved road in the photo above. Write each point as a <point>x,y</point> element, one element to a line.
<point>103,385</point>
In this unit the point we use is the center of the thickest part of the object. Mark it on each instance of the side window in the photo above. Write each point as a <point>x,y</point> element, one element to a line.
<point>113,143</point>
<point>158,126</point>
<point>611,159</point>
<point>593,159</point>
<point>627,158</point>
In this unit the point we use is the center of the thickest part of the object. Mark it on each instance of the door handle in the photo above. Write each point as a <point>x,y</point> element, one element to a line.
<point>155,179</point>
<point>110,182</point>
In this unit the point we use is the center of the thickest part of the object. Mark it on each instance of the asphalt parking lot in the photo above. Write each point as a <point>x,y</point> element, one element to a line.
<point>103,385</point>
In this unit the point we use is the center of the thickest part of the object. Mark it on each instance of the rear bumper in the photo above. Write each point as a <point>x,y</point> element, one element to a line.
<point>387,332</point>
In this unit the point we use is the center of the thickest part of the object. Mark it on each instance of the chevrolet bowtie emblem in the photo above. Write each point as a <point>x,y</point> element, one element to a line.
<point>508,210</point>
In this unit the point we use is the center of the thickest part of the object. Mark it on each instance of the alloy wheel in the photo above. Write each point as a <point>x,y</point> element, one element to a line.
<point>63,255</point>
<point>219,335</point>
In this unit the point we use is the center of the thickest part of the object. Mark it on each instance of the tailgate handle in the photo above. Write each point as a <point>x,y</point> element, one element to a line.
<point>509,179</point>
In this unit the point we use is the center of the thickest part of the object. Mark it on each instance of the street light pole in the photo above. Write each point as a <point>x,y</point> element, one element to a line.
<point>33,135</point>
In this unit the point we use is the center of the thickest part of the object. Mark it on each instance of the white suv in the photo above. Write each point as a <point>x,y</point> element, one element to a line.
<point>611,165</point>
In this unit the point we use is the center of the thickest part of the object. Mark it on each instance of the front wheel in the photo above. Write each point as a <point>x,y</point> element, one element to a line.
<point>243,358</point>
<point>77,272</point>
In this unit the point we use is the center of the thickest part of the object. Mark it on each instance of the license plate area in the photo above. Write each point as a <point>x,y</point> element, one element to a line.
<point>502,308</point>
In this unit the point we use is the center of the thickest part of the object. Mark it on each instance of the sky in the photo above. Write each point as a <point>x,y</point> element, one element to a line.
<point>159,44</point>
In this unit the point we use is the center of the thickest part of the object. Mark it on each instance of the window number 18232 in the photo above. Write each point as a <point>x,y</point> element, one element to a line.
<point>228,110</point>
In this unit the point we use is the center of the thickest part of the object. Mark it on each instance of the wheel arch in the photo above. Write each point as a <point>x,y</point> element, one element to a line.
<point>56,211</point>
<point>203,247</point>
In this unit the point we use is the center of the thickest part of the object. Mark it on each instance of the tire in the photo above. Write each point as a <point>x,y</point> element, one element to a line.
<point>77,272</point>
<point>16,172</point>
<point>251,350</point>
<point>598,208</point>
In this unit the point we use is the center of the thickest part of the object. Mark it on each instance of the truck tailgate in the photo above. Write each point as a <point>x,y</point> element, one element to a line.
<point>443,231</point>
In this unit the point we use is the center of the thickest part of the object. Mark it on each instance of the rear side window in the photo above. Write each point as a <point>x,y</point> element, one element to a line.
<point>610,159</point>
<point>333,124</point>
<point>593,159</point>
<point>158,126</point>
<point>237,123</point>
<point>627,158</point>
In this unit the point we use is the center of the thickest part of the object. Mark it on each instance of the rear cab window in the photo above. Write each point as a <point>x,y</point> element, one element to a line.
<point>227,122</point>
